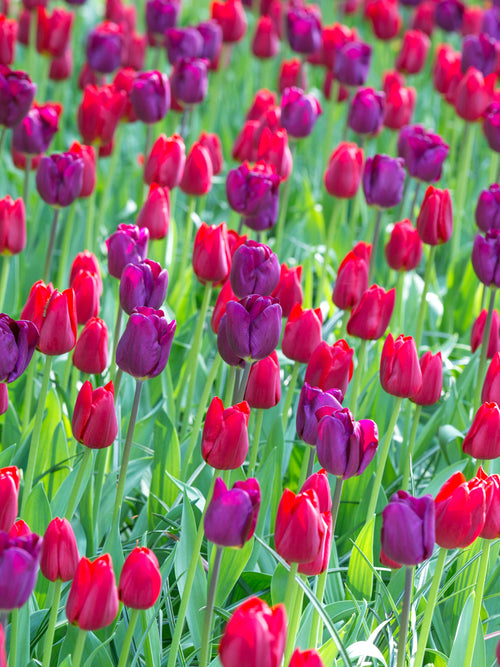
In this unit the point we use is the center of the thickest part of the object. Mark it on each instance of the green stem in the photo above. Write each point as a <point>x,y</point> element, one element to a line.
<point>230,384</point>
<point>290,588</point>
<point>289,394</point>
<point>293,625</point>
<point>49,637</point>
<point>316,623</point>
<point>89,223</point>
<point>398,316</point>
<point>78,651</point>
<point>259,416</point>
<point>414,200</point>
<point>484,349</point>
<point>372,505</point>
<point>3,136</point>
<point>14,626</point>
<point>30,381</point>
<point>429,608</point>
<point>26,183</point>
<point>126,450</point>
<point>285,196</point>
<point>100,469</point>
<point>67,372</point>
<point>405,617</point>
<point>359,372</point>
<point>463,169</point>
<point>35,436</point>
<point>50,249</point>
<point>310,462</point>
<point>337,211</point>
<point>494,166</point>
<point>116,337</point>
<point>373,255</point>
<point>207,623</point>
<point>134,615</point>
<point>423,297</point>
<point>188,232</point>
<point>108,189</point>
<point>4,277</point>
<point>407,455</point>
<point>66,243</point>
<point>239,391</point>
<point>339,482</point>
<point>82,469</point>
<point>478,600</point>
<point>305,464</point>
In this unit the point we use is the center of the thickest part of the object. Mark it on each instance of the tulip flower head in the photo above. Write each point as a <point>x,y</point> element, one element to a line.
<point>343,173</point>
<point>299,524</point>
<point>408,528</point>
<point>289,290</point>
<point>231,515</point>
<point>263,388</point>
<point>9,492</point>
<point>60,557</point>
<point>302,333</point>
<point>143,284</point>
<point>19,340</point>
<point>314,403</point>
<point>140,579</point>
<point>93,598</point>
<point>224,442</point>
<point>403,251</point>
<point>486,257</point>
<point>299,112</point>
<point>253,326</point>
<point>383,180</point>
<point>460,512</point>
<point>483,437</point>
<point>17,93</point>
<point>330,366</point>
<point>19,562</point>
<point>129,244</point>
<point>487,213</point>
<point>370,317</point>
<point>94,418</point>
<point>400,373</point>
<point>255,269</point>
<point>435,219</point>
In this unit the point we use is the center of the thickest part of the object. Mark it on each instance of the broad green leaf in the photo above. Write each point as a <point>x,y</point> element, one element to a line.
<point>462,635</point>
<point>278,584</point>
<point>232,565</point>
<point>152,645</point>
<point>360,572</point>
<point>166,456</point>
<point>60,501</point>
<point>435,658</point>
<point>37,513</point>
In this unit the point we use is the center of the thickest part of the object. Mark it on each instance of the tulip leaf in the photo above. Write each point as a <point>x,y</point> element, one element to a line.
<point>60,501</point>
<point>37,514</point>
<point>360,572</point>
<point>467,570</point>
<point>232,565</point>
<point>166,456</point>
<point>462,635</point>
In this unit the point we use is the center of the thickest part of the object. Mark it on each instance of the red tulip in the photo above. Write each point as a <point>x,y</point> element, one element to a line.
<point>432,379</point>
<point>403,251</point>
<point>345,168</point>
<point>224,442</point>
<point>460,512</point>
<point>413,53</point>
<point>155,212</point>
<point>12,226</point>
<point>474,94</point>
<point>59,551</point>
<point>94,418</point>
<point>263,388</point>
<point>302,333</point>
<point>491,387</point>
<point>289,290</point>
<point>400,373</point>
<point>9,492</point>
<point>352,277</point>
<point>93,598</point>
<point>91,349</point>
<point>165,163</point>
<point>483,437</point>
<point>211,256</point>
<point>330,367</point>
<point>435,219</point>
<point>370,317</point>
<point>299,530</point>
<point>140,579</point>
<point>197,176</point>
<point>477,333</point>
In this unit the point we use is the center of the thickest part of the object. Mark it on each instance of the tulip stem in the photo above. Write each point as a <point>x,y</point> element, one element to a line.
<point>429,608</point>
<point>100,469</point>
<point>259,416</point>
<point>316,623</point>
<point>373,255</point>
<point>398,316</point>
<point>13,637</point>
<point>478,600</point>
<point>78,651</point>
<point>209,610</point>
<point>67,236</point>
<point>199,416</point>
<point>230,384</point>
<point>405,617</point>
<point>414,200</point>
<point>463,168</point>
<point>3,136</point>
<point>4,279</point>
<point>290,588</point>
<point>126,450</point>
<point>338,211</point>
<point>50,249</point>
<point>406,455</point>
<point>290,393</point>
<point>310,462</point>
<point>35,435</point>
<point>283,205</point>
<point>188,232</point>
<point>116,336</point>
<point>108,188</point>
<point>134,615</point>
<point>30,381</point>
<point>54,610</point>
<point>484,349</point>
<point>360,369</point>
<point>82,469</point>
<point>372,506</point>
<point>26,183</point>
<point>90,232</point>
<point>239,391</point>
<point>294,623</point>
<point>423,297</point>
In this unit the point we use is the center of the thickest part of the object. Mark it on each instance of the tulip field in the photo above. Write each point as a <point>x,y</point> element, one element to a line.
<point>249,349</point>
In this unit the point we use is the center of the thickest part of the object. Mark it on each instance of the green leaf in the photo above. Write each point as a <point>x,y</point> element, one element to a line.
<point>60,501</point>
<point>278,584</point>
<point>360,572</point>
<point>462,635</point>
<point>166,457</point>
<point>37,514</point>
<point>232,565</point>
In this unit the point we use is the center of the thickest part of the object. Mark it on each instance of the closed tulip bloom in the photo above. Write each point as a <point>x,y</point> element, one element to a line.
<point>291,73</point>
<point>330,366</point>
<point>385,18</point>
<point>352,63</point>
<point>150,96</point>
<point>274,149</point>
<point>477,333</point>
<point>303,28</point>
<point>160,15</point>
<point>253,326</point>
<point>211,34</point>
<point>53,31</point>
<point>254,636</point>
<point>87,287</point>
<point>86,261</point>
<point>224,442</point>
<point>366,111</point>
<point>491,386</point>
<point>100,112</point>
<point>491,21</point>
<point>9,493</point>
<point>128,245</point>
<point>446,70</point>
<point>19,529</point>
<point>91,349</point>
<point>4,398</point>
<point>198,172</point>
<point>482,52</point>
<point>486,257</point>
<point>93,598</point>
<point>263,390</point>
<point>343,173</point>
<point>383,180</point>
<point>449,15</point>
<point>232,514</point>
<point>403,251</point>
<point>140,579</point>
<point>302,333</point>
<point>483,437</point>
<point>399,105</point>
<point>34,308</point>
<point>254,270</point>
<point>400,373</point>
<point>224,348</point>
<point>231,17</point>
<point>370,317</point>
<point>299,112</point>
<point>264,99</point>
<point>289,289</point>
<point>226,294</point>
<point>460,512</point>
<point>352,277</point>
<point>314,403</point>
<point>183,43</point>
<point>413,53</point>
<point>320,563</point>
<point>59,178</point>
<point>59,324</point>
<point>8,38</point>
<point>297,534</point>
<point>105,45</point>
<point>408,528</point>
<point>143,284</point>
<point>432,379</point>
<point>213,144</point>
<point>472,21</point>
<point>246,146</point>
<point>61,68</point>
<point>211,256</point>
<point>19,561</point>
<point>491,127</point>
<point>253,192</point>
<point>266,41</point>
<point>423,152</point>
<point>435,219</point>
<point>60,557</point>
<point>189,80</point>
<point>94,418</point>
<point>17,93</point>
<point>474,94</point>
<point>87,155</point>
<point>18,342</point>
<point>491,528</point>
<point>309,658</point>
<point>155,212</point>
<point>37,129</point>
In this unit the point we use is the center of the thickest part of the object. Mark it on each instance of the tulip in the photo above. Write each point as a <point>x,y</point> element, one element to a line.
<point>483,437</point>
<point>160,15</point>
<point>314,403</point>
<point>289,290</point>
<point>366,111</point>
<point>333,38</point>
<point>299,112</point>
<point>263,389</point>
<point>320,563</point>
<point>93,598</point>
<point>165,163</point>
<point>198,172</point>
<point>449,15</point>
<point>224,442</point>
<point>58,326</point>
<point>352,63</point>
<point>17,93</point>
<point>413,53</point>
<point>231,17</point>
<point>91,349</point>
<point>94,418</point>
<point>491,528</point>
<point>224,348</point>
<point>481,52</point>
<point>35,132</point>
<point>302,333</point>
<point>343,173</point>
<point>404,248</point>
<point>9,493</point>
<point>140,579</point>
<point>86,286</point>
<point>474,94</point>
<point>19,560</point>
<point>399,105</point>
<point>253,193</point>
<point>303,28</point>
<point>435,219</point>
<point>53,31</point>
<point>273,149</point>
<point>491,386</point>
<point>297,534</point>
<point>143,284</point>
<point>383,179</point>
<point>183,43</point>
<point>330,367</point>
<point>408,528</point>
<point>61,68</point>
<point>150,96</point>
<point>8,38</point>
<point>19,529</point>
<point>4,398</point>
<point>432,379</point>
<point>34,307</point>
<point>128,245</point>
<point>155,212</point>
<point>400,373</point>
<point>254,636</point>
<point>423,152</point>
<point>99,113</point>
<point>86,261</point>
<point>189,80</point>
<point>423,17</point>
<point>491,125</point>
<point>144,347</point>
<point>254,270</point>
<point>253,326</point>
<point>231,515</point>
<point>265,42</point>
<point>226,294</point>
<point>309,658</point>
<point>211,34</point>
<point>446,70</point>
<point>59,178</point>
<point>87,155</point>
<point>105,44</point>
<point>472,20</point>
<point>246,144</point>
<point>291,73</point>
<point>370,317</point>
<point>264,99</point>
<point>211,257</point>
<point>460,512</point>
<point>486,257</point>
<point>214,147</point>
<point>19,340</point>
<point>60,557</point>
<point>477,333</point>
<point>385,18</point>
<point>352,277</point>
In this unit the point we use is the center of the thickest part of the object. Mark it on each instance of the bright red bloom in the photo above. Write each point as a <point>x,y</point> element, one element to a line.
<point>87,154</point>
<point>59,551</point>
<point>431,366</point>
<point>413,53</point>
<point>93,598</point>
<point>54,314</point>
<point>9,492</point>
<point>8,37</point>
<point>198,172</point>
<point>94,418</point>
<point>302,333</point>
<point>53,31</point>
<point>330,366</point>
<point>299,530</point>
<point>400,373</point>
<point>403,251</point>
<point>352,277</point>
<point>91,349</point>
<point>155,212</point>
<point>309,658</point>
<point>211,256</point>
<point>370,317</point>
<point>265,42</point>
<point>345,168</point>
<point>477,333</point>
<point>435,219</point>
<point>140,579</point>
<point>474,94</point>
<point>87,288</point>
<point>230,15</point>
<point>483,437</point>
<point>289,290</point>
<point>12,226</point>
<point>399,104</point>
<point>460,512</point>
<point>263,388</point>
<point>446,70</point>
<point>224,442</point>
<point>385,18</point>
<point>99,113</point>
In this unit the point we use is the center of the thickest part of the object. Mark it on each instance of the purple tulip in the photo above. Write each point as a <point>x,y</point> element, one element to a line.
<point>299,112</point>
<point>488,208</point>
<point>59,178</point>
<point>449,15</point>
<point>491,126</point>
<point>160,16</point>
<point>224,348</point>
<point>150,96</point>
<point>17,93</point>
<point>303,29</point>
<point>143,284</point>
<point>189,80</point>
<point>486,257</point>
<point>314,403</point>
<point>105,47</point>
<point>366,111</point>
<point>253,326</point>
<point>128,245</point>
<point>480,51</point>
<point>35,132</point>
<point>255,269</point>
<point>423,152</point>
<point>254,194</point>
<point>144,347</point>
<point>18,342</point>
<point>352,63</point>
<point>19,561</point>
<point>345,447</point>
<point>408,528</point>
<point>491,22</point>
<point>383,180</point>
<point>183,43</point>
<point>211,33</point>
<point>232,515</point>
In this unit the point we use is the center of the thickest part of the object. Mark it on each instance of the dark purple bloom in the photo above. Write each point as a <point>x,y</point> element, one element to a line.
<point>299,112</point>
<point>486,257</point>
<point>143,284</point>
<point>105,47</point>
<point>211,33</point>
<point>366,111</point>
<point>183,43</point>
<point>160,16</point>
<point>18,341</point>
<point>480,51</point>
<point>303,29</point>
<point>408,528</point>
<point>449,15</point>
<point>314,403</point>
<point>19,561</point>
<point>346,447</point>
<point>35,132</point>
<point>491,126</point>
<point>488,208</point>
<point>253,326</point>
<point>423,152</point>
<point>383,180</point>
<point>224,348</point>
<point>491,22</point>
<point>255,269</point>
<point>150,96</point>
<point>189,80</point>
<point>254,194</point>
<point>144,347</point>
<point>59,178</point>
<point>352,63</point>
<point>17,93</point>
<point>232,515</point>
<point>129,244</point>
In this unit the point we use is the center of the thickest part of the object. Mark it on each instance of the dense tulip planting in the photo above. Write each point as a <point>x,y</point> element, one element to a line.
<point>250,338</point>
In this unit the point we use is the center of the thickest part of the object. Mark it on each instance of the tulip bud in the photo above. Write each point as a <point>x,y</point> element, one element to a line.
<point>330,367</point>
<point>352,63</point>
<point>491,387</point>
<point>265,42</point>
<point>19,529</point>
<point>37,129</point>
<point>297,536</point>
<point>231,17</point>
<point>211,256</point>
<point>310,658</point>
<point>91,349</point>
<point>94,418</point>
<point>86,261</point>
<point>400,373</point>
<point>370,317</point>
<point>198,173</point>
<point>105,44</point>
<point>474,94</point>
<point>99,113</point>
<point>423,152</point>
<point>253,326</point>
<point>189,80</point>
<point>231,516</point>
<point>366,111</point>
<point>150,96</point>
<point>155,212</point>
<point>59,178</point>
<point>302,333</point>
<point>93,598</point>
<point>403,251</point>
<point>432,379</point>
<point>9,492</point>
<point>254,194</point>
<point>289,290</point>
<point>435,219</point>
<point>408,517</point>
<point>254,270</point>
<point>343,173</point>
<point>183,43</point>
<point>8,38</point>
<point>314,403</point>
<point>273,149</point>
<point>483,437</point>
<point>486,258</point>
<point>59,551</point>
<point>143,284</point>
<point>165,163</point>
<point>53,31</point>
<point>87,288</point>
<point>482,52</point>
<point>263,388</point>
<point>211,34</point>
<point>128,245</point>
<point>385,18</point>
<point>18,569</point>
<point>449,14</point>
<point>58,325</point>
<point>383,180</point>
<point>291,74</point>
<point>17,92</point>
<point>87,155</point>
<point>460,512</point>
<point>160,15</point>
<point>488,208</point>
<point>303,28</point>
<point>299,112</point>
<point>399,105</point>
<point>224,442</point>
<point>18,342</point>
<point>413,53</point>
<point>352,277</point>
<point>477,333</point>
<point>140,579</point>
